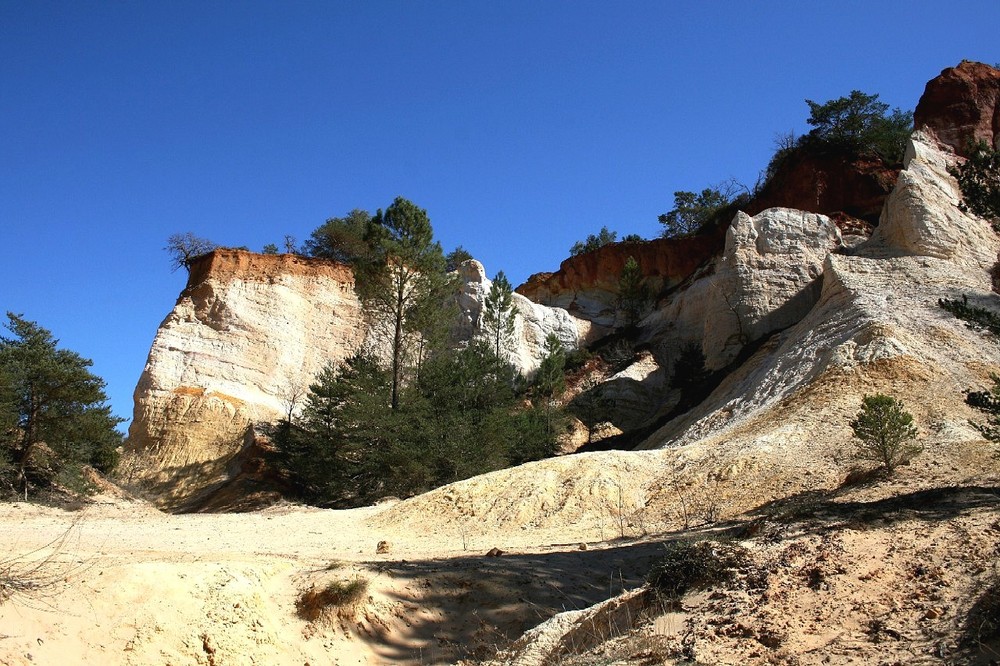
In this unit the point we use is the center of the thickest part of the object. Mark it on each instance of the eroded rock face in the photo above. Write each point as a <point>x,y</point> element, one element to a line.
<point>828,183</point>
<point>247,331</point>
<point>921,216</point>
<point>765,280</point>
<point>587,285</point>
<point>962,104</point>
<point>876,323</point>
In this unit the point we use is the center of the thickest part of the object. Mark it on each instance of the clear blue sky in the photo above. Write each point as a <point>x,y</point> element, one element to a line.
<point>521,126</point>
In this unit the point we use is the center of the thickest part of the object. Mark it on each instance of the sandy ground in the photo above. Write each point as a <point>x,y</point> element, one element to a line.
<point>879,573</point>
<point>121,583</point>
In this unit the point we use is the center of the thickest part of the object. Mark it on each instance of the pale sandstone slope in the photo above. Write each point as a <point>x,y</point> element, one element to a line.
<point>780,422</point>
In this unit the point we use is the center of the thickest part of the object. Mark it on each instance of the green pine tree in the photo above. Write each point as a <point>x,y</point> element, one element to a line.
<point>48,396</point>
<point>499,316</point>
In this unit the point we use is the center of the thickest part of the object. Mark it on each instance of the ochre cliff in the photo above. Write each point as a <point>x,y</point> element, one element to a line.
<point>247,332</point>
<point>587,284</point>
<point>828,183</point>
<point>962,105</point>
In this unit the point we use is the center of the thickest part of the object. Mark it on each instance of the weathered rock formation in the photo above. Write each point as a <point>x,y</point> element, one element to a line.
<point>962,105</point>
<point>533,322</point>
<point>247,332</point>
<point>246,338</point>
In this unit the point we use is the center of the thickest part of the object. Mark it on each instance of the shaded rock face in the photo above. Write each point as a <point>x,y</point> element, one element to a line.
<point>962,104</point>
<point>246,332</point>
<point>828,183</point>
<point>587,285</point>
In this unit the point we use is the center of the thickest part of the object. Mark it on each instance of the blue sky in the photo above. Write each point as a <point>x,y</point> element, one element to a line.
<point>521,126</point>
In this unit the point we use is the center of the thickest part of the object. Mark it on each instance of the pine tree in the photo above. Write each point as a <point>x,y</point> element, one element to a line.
<point>633,295</point>
<point>884,431</point>
<point>402,278</point>
<point>48,395</point>
<point>499,316</point>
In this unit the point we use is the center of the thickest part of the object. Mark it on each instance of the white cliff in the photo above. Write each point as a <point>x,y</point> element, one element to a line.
<point>247,334</point>
<point>533,322</point>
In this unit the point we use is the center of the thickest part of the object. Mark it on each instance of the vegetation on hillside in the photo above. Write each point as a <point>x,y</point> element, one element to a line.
<point>979,180</point>
<point>885,432</point>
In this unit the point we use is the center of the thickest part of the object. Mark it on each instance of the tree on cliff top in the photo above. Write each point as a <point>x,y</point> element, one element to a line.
<point>594,241</point>
<point>341,238</point>
<point>185,248</point>
<point>861,123</point>
<point>53,416</point>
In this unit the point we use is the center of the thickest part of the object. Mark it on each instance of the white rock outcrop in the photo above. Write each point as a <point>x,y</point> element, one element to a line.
<point>765,280</point>
<point>246,338</point>
<point>533,323</point>
<point>921,216</point>
<point>876,316</point>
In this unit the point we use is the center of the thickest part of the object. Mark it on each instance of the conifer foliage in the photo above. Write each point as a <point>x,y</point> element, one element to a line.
<point>885,432</point>
<point>427,411</point>
<point>499,315</point>
<point>53,416</point>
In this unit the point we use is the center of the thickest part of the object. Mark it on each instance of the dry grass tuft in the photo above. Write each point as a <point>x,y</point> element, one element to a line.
<point>315,602</point>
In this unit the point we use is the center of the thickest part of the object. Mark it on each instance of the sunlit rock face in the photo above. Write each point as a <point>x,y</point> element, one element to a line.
<point>533,322</point>
<point>922,218</point>
<point>246,333</point>
<point>247,337</point>
<point>765,279</point>
<point>961,106</point>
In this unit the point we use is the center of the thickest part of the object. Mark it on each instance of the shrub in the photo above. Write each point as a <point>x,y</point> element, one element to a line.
<point>989,403</point>
<point>314,603</point>
<point>976,318</point>
<point>979,180</point>
<point>694,566</point>
<point>884,431</point>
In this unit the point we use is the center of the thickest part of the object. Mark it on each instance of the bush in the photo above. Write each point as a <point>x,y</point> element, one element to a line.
<point>884,431</point>
<point>989,403</point>
<point>694,566</point>
<point>979,180</point>
<point>315,603</point>
<point>976,318</point>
